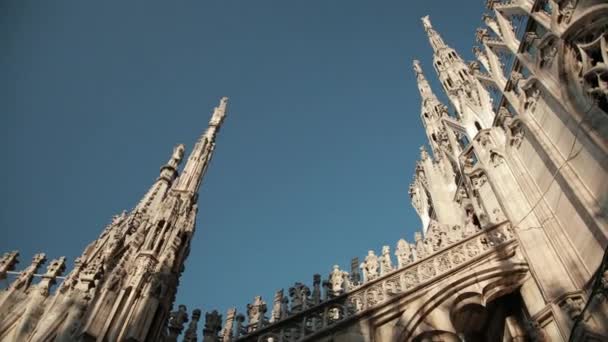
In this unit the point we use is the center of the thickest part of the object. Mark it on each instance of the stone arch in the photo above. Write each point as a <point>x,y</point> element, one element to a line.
<point>465,306</point>
<point>474,286</point>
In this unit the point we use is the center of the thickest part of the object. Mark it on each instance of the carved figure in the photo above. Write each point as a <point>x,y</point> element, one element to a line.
<point>403,253</point>
<point>386,265</point>
<point>336,280</point>
<point>370,266</point>
<point>255,312</point>
<point>177,319</point>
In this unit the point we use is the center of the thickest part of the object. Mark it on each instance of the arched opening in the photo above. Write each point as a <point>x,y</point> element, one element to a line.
<point>499,320</point>
<point>449,82</point>
<point>462,75</point>
<point>434,137</point>
<point>478,126</point>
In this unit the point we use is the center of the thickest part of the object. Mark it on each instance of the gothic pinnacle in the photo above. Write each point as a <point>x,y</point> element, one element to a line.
<point>423,85</point>
<point>203,150</point>
<point>434,37</point>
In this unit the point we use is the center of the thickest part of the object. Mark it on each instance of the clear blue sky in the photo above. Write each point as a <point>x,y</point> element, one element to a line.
<point>312,165</point>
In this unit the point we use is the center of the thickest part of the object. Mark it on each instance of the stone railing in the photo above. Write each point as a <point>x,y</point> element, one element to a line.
<point>308,321</point>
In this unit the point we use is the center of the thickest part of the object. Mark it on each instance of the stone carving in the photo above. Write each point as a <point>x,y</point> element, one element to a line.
<point>393,286</point>
<point>255,313</point>
<point>370,266</point>
<point>479,180</point>
<point>423,153</point>
<point>481,35</point>
<point>277,305</point>
<point>213,325</point>
<point>470,227</point>
<point>374,296</point>
<point>574,306</point>
<point>443,262</point>
<point>25,277</point>
<point>336,280</point>
<point>403,253</point>
<point>531,96</point>
<point>590,66</point>
<point>410,279</point>
<point>458,255</point>
<point>376,291</point>
<point>530,37</point>
<point>454,234</point>
<point>228,330</point>
<point>436,237</point>
<point>534,331</point>
<point>422,249</point>
<point>299,294</point>
<point>547,48</point>
<point>176,157</point>
<point>565,11</point>
<point>427,270</point>
<point>7,263</point>
<point>474,67</point>
<point>177,319</point>
<point>386,265</point>
<point>55,269</point>
<point>472,249</point>
<point>191,333</point>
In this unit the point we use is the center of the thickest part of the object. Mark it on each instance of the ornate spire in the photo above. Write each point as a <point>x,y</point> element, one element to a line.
<point>423,85</point>
<point>434,37</point>
<point>203,150</point>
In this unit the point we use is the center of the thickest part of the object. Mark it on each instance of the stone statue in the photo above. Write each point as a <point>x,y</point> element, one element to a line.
<point>178,154</point>
<point>336,281</point>
<point>190,335</point>
<point>277,303</point>
<point>370,266</point>
<point>228,330</point>
<point>177,320</point>
<point>213,325</point>
<point>386,265</point>
<point>421,248</point>
<point>403,253</point>
<point>255,313</point>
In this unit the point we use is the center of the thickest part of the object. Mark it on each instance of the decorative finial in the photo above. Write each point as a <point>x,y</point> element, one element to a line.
<point>176,157</point>
<point>417,68</point>
<point>426,22</point>
<point>219,112</point>
<point>423,154</point>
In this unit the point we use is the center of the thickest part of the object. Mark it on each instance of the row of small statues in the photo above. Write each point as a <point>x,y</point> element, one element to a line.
<point>301,297</point>
<point>438,237</point>
<point>178,319</point>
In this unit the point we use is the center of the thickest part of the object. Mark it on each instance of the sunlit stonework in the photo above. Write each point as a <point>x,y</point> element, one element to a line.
<point>512,198</point>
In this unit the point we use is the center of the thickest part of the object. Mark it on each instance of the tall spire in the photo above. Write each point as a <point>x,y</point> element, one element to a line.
<point>434,37</point>
<point>423,85</point>
<point>203,150</point>
<point>469,98</point>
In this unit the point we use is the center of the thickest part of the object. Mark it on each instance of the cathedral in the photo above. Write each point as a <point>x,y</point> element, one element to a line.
<point>512,196</point>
